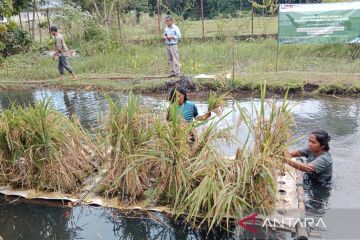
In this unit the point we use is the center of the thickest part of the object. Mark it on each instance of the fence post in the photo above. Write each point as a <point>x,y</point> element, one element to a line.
<point>233,63</point>
<point>29,24</point>
<point>158,15</point>
<point>118,20</point>
<point>34,20</point>
<point>48,21</point>
<point>252,20</point>
<point>202,18</point>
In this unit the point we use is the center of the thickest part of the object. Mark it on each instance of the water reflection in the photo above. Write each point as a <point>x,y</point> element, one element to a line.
<point>29,221</point>
<point>24,220</point>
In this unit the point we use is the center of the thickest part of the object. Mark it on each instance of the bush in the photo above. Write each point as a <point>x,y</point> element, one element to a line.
<point>72,21</point>
<point>94,31</point>
<point>3,28</point>
<point>15,41</point>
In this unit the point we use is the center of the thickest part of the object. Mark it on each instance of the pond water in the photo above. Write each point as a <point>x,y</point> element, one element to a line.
<point>339,116</point>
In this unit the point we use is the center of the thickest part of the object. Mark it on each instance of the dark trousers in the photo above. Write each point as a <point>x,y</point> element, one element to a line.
<point>64,64</point>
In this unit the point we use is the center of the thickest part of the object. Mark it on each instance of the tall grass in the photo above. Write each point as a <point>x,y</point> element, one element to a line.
<point>40,148</point>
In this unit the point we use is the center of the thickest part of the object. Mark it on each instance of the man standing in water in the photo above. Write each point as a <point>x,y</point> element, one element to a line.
<point>172,36</point>
<point>62,52</point>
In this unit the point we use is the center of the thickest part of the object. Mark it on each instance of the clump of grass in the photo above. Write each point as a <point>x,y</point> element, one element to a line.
<point>216,103</point>
<point>43,149</point>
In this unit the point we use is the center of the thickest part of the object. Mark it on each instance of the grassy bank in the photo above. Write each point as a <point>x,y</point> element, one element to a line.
<point>327,69</point>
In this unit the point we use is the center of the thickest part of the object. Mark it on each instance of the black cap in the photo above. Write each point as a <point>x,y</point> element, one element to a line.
<point>53,29</point>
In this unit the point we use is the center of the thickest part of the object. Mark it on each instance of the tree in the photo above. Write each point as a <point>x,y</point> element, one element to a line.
<point>18,7</point>
<point>6,8</point>
<point>73,20</point>
<point>86,5</point>
<point>105,10</point>
<point>138,6</point>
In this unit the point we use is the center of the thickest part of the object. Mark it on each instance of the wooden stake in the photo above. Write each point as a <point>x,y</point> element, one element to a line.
<point>40,29</point>
<point>233,63</point>
<point>21,25</point>
<point>48,21</point>
<point>118,20</point>
<point>28,17</point>
<point>34,19</point>
<point>252,20</point>
<point>158,15</point>
<point>202,18</point>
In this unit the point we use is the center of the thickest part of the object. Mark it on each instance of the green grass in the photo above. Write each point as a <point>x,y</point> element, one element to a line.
<point>147,29</point>
<point>255,62</point>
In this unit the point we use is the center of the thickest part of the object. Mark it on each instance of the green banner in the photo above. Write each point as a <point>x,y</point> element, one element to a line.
<point>319,23</point>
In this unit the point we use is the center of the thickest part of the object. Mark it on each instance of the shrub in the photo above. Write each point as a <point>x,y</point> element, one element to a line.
<point>15,41</point>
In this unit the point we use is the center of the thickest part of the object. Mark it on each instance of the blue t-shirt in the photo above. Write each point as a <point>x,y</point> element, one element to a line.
<point>188,111</point>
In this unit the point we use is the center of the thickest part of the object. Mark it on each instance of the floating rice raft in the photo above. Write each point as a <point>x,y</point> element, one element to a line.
<point>289,206</point>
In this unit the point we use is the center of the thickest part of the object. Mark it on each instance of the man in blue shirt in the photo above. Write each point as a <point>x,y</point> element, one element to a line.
<point>172,36</point>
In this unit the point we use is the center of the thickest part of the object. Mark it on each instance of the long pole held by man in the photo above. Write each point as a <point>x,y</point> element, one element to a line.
<point>172,35</point>
<point>62,52</point>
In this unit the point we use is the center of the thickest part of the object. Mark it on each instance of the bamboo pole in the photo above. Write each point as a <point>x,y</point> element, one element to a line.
<point>277,47</point>
<point>40,29</point>
<point>300,230</point>
<point>233,63</point>
<point>28,17</point>
<point>119,20</point>
<point>202,18</point>
<point>34,19</point>
<point>252,20</point>
<point>48,21</point>
<point>21,25</point>
<point>158,16</point>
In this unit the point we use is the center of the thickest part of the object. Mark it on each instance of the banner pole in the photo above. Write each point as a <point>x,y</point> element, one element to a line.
<point>277,42</point>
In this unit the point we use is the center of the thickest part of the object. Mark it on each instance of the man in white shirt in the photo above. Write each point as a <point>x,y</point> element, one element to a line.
<point>172,36</point>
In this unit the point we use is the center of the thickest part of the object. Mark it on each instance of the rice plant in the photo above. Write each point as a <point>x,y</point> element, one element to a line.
<point>224,189</point>
<point>43,149</point>
<point>129,133</point>
<point>216,103</point>
<point>152,160</point>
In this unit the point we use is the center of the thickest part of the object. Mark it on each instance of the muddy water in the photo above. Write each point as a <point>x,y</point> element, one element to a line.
<point>340,117</point>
